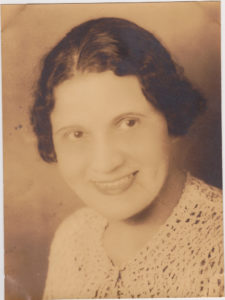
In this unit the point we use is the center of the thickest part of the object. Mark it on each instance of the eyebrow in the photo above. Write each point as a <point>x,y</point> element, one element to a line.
<point>65,128</point>
<point>115,120</point>
<point>128,114</point>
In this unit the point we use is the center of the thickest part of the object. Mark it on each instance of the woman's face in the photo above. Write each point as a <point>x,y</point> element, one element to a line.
<point>112,145</point>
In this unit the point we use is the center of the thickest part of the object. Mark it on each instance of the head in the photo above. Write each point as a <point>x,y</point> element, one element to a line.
<point>113,66</point>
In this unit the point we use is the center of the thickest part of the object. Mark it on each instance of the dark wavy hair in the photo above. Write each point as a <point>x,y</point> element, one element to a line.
<point>126,49</point>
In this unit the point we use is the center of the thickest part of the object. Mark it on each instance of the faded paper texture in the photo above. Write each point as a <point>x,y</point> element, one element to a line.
<point>35,198</point>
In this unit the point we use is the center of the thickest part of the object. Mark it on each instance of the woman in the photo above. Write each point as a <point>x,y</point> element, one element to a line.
<point>110,106</point>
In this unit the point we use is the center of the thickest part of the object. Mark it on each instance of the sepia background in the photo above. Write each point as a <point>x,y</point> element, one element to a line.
<point>35,198</point>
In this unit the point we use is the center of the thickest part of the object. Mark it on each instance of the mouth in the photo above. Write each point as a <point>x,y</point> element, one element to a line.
<point>116,186</point>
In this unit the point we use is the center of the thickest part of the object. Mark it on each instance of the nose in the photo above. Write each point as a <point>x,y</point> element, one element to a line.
<point>106,156</point>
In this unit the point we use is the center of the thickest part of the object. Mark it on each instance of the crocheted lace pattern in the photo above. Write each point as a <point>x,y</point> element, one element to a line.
<point>184,258</point>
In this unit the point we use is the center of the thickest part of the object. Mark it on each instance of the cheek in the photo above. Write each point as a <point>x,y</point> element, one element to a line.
<point>152,147</point>
<point>72,165</point>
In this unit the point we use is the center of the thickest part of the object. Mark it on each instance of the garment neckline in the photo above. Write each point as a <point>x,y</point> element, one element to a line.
<point>156,238</point>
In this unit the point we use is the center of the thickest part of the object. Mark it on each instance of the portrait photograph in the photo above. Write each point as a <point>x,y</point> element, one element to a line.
<point>112,152</point>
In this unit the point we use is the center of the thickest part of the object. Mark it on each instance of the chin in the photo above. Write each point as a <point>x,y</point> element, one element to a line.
<point>122,213</point>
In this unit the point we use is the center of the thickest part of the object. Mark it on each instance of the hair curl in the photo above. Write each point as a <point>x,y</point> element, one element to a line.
<point>126,49</point>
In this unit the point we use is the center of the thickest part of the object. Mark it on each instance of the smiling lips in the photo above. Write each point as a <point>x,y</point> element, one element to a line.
<point>116,186</point>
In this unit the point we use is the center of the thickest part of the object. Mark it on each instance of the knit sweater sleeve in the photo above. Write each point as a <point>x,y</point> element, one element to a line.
<point>216,252</point>
<point>63,265</point>
<point>211,236</point>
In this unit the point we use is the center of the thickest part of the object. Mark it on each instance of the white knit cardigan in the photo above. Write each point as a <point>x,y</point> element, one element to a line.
<point>184,258</point>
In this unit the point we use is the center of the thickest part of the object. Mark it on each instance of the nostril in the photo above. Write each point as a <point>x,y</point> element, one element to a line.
<point>135,172</point>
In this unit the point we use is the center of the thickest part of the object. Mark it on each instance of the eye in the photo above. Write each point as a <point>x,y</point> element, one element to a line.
<point>127,123</point>
<point>75,135</point>
<point>131,123</point>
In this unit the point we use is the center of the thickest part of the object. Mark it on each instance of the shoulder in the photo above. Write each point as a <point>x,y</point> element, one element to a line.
<point>73,241</point>
<point>202,231</point>
<point>201,215</point>
<point>72,246</point>
<point>75,221</point>
<point>204,223</point>
<point>204,203</point>
<point>76,227</point>
<point>205,198</point>
<point>198,187</point>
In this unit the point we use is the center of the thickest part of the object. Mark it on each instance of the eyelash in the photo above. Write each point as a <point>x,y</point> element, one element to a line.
<point>134,122</point>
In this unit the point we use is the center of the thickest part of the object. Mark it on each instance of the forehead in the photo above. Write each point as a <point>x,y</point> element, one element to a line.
<point>84,89</point>
<point>80,81</point>
<point>98,96</point>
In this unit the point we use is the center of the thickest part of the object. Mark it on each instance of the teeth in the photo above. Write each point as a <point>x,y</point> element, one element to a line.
<point>115,183</point>
<point>116,186</point>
